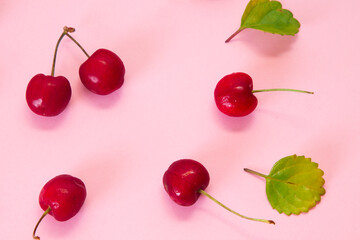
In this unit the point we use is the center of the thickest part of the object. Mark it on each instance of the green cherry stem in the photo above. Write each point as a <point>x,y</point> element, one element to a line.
<point>232,211</point>
<point>37,224</point>
<point>282,89</point>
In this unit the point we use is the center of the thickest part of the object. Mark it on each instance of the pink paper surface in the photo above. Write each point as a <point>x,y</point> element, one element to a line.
<point>121,144</point>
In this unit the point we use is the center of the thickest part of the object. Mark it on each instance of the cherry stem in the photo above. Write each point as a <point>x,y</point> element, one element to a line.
<point>234,34</point>
<point>56,50</point>
<point>232,211</point>
<point>282,89</point>
<point>37,224</point>
<point>77,43</point>
<point>66,32</point>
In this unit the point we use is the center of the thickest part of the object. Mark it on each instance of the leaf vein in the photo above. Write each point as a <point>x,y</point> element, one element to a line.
<point>278,193</point>
<point>286,168</point>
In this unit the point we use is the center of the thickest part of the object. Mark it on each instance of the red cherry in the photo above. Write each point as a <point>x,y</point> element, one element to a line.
<point>65,195</point>
<point>186,179</point>
<point>47,95</point>
<point>183,180</point>
<point>103,72</point>
<point>62,197</point>
<point>233,95</point>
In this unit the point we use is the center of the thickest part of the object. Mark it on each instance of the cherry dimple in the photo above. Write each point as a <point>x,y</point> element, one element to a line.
<point>233,95</point>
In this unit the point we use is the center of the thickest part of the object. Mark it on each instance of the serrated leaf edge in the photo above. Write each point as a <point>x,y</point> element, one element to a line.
<point>311,203</point>
<point>320,191</point>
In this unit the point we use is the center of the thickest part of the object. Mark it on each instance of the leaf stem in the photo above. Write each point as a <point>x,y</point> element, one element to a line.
<point>282,89</point>
<point>268,177</point>
<point>256,173</point>
<point>232,211</point>
<point>233,35</point>
<point>37,224</point>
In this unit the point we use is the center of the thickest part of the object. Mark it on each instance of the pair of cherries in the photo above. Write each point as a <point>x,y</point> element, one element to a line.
<point>102,73</point>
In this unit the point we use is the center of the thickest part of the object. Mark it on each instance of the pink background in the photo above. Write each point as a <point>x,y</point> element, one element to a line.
<point>174,53</point>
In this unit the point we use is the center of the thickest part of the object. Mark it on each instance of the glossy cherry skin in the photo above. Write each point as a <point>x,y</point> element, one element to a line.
<point>47,95</point>
<point>233,95</point>
<point>65,195</point>
<point>103,72</point>
<point>183,180</point>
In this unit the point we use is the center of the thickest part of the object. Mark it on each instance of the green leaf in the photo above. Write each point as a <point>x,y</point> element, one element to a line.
<point>268,16</point>
<point>294,184</point>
